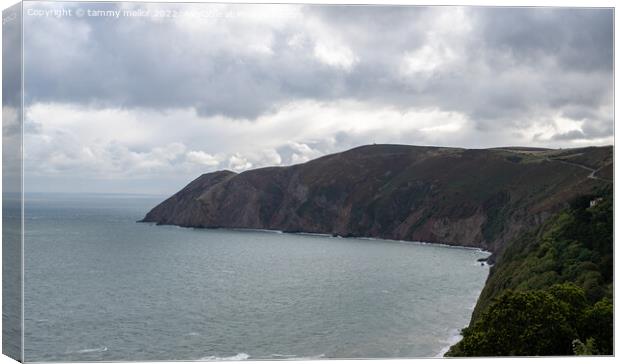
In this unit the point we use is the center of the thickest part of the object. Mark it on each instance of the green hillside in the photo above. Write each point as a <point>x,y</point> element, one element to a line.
<point>551,291</point>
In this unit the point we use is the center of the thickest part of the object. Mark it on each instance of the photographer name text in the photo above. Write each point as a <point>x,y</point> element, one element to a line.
<point>129,13</point>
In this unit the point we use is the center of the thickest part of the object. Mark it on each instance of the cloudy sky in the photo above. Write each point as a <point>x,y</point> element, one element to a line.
<point>147,103</point>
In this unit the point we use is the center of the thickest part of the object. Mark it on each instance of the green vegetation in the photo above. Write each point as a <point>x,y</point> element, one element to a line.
<point>550,292</point>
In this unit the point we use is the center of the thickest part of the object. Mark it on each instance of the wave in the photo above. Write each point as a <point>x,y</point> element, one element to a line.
<point>314,357</point>
<point>314,234</point>
<point>90,350</point>
<point>295,357</point>
<point>280,356</point>
<point>238,357</point>
<point>251,230</point>
<point>244,356</point>
<point>480,250</point>
<point>454,338</point>
<point>415,242</point>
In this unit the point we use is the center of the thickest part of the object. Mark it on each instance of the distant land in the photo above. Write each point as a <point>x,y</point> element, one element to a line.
<point>470,197</point>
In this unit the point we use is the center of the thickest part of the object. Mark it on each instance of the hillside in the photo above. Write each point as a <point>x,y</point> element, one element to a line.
<point>472,197</point>
<point>551,291</point>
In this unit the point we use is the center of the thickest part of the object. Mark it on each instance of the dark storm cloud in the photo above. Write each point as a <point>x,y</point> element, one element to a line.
<point>501,67</point>
<point>578,39</point>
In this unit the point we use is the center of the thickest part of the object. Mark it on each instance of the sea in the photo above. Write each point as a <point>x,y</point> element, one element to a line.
<point>99,286</point>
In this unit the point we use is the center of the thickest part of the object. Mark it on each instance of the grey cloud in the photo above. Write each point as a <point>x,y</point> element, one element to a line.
<point>577,38</point>
<point>591,129</point>
<point>11,60</point>
<point>578,112</point>
<point>516,64</point>
<point>136,63</point>
<point>570,135</point>
<point>598,128</point>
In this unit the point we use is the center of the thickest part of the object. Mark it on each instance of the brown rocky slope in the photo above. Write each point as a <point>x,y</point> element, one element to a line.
<point>470,197</point>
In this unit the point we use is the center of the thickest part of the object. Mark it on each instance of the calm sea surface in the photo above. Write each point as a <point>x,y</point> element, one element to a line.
<point>99,286</point>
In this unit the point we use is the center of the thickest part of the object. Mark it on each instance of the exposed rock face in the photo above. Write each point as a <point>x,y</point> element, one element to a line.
<point>479,198</point>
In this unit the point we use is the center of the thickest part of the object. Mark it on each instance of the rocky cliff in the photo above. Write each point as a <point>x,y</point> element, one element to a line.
<point>470,197</point>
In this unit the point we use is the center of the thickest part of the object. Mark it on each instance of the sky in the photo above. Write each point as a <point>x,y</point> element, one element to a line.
<point>145,102</point>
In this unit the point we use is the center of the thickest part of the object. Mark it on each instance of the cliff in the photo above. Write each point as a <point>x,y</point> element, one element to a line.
<point>472,197</point>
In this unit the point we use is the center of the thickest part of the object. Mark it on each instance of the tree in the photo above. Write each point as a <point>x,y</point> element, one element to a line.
<point>522,323</point>
<point>598,323</point>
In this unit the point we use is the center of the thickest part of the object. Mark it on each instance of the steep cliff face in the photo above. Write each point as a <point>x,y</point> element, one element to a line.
<point>456,196</point>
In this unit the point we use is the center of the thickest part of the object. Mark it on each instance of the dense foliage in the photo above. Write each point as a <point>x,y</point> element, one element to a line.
<point>550,292</point>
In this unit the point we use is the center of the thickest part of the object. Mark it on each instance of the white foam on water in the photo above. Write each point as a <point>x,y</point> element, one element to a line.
<point>314,234</point>
<point>454,338</point>
<point>295,357</point>
<point>424,243</point>
<point>314,357</point>
<point>91,350</point>
<point>238,357</point>
<point>283,355</point>
<point>250,230</point>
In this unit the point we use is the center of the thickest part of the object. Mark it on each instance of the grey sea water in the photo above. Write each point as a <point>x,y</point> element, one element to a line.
<point>99,286</point>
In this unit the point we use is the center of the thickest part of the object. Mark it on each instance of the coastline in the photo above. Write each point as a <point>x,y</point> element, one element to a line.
<point>455,333</point>
<point>325,235</point>
<point>452,340</point>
